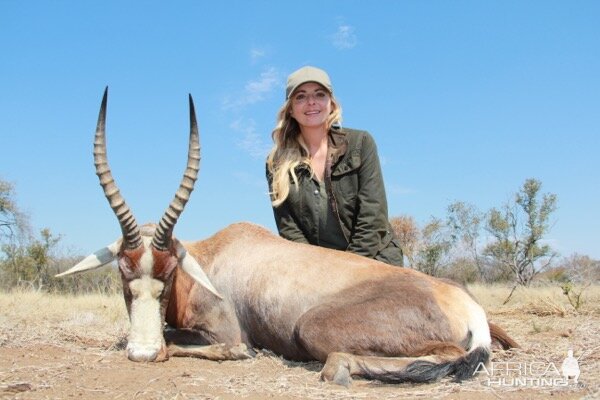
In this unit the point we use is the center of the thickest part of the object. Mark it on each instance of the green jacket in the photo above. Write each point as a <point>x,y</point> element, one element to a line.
<point>354,185</point>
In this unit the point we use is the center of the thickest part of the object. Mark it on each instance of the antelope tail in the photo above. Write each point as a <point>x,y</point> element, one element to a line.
<point>501,338</point>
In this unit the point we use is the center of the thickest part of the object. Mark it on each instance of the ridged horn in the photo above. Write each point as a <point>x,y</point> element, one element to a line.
<point>131,232</point>
<point>164,230</point>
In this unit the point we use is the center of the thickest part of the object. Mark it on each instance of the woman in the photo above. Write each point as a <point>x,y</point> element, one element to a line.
<point>325,181</point>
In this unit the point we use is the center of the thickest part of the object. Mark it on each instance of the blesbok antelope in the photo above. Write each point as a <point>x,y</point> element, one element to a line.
<point>246,288</point>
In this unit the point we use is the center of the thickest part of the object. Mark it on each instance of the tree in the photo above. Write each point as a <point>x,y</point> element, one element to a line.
<point>580,273</point>
<point>464,222</point>
<point>407,232</point>
<point>581,269</point>
<point>24,258</point>
<point>28,260</point>
<point>434,247</point>
<point>518,229</point>
<point>12,221</point>
<point>30,264</point>
<point>462,270</point>
<point>40,251</point>
<point>426,249</point>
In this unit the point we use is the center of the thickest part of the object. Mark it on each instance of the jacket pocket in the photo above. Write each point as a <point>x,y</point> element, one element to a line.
<point>350,163</point>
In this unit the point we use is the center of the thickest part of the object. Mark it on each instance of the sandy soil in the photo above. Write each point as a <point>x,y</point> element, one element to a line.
<point>76,351</point>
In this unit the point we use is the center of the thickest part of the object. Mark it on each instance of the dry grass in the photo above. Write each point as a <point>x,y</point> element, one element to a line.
<point>547,325</point>
<point>54,319</point>
<point>545,300</point>
<point>81,340</point>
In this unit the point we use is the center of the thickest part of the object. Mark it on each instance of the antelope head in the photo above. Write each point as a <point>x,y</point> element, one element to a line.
<point>148,256</point>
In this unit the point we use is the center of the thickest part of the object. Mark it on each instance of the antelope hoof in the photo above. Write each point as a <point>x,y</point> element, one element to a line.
<point>342,377</point>
<point>337,370</point>
<point>241,352</point>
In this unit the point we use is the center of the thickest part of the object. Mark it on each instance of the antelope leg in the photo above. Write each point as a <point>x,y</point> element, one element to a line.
<point>214,352</point>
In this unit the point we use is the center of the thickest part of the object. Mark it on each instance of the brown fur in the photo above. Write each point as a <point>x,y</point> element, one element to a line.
<point>500,338</point>
<point>164,264</point>
<point>179,302</point>
<point>307,303</point>
<point>130,263</point>
<point>344,324</point>
<point>443,349</point>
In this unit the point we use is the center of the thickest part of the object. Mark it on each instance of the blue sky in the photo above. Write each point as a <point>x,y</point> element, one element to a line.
<point>465,99</point>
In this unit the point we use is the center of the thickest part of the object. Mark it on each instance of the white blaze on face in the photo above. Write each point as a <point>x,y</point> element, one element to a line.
<point>146,334</point>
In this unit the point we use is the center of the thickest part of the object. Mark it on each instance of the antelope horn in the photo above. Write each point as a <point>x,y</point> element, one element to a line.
<point>164,231</point>
<point>131,233</point>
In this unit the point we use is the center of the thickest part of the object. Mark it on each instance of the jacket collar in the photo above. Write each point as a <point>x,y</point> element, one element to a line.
<point>337,147</point>
<point>338,144</point>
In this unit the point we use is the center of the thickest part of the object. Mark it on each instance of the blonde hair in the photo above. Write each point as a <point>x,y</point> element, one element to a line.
<point>289,150</point>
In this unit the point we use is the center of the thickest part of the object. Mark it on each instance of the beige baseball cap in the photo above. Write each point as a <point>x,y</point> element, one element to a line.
<point>307,74</point>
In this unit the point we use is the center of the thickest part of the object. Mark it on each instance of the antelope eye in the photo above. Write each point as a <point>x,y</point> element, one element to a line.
<point>126,267</point>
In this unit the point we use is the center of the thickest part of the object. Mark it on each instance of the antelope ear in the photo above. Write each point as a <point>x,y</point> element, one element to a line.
<point>95,260</point>
<point>191,266</point>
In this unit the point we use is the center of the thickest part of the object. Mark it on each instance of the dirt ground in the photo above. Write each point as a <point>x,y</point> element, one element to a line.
<point>76,351</point>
